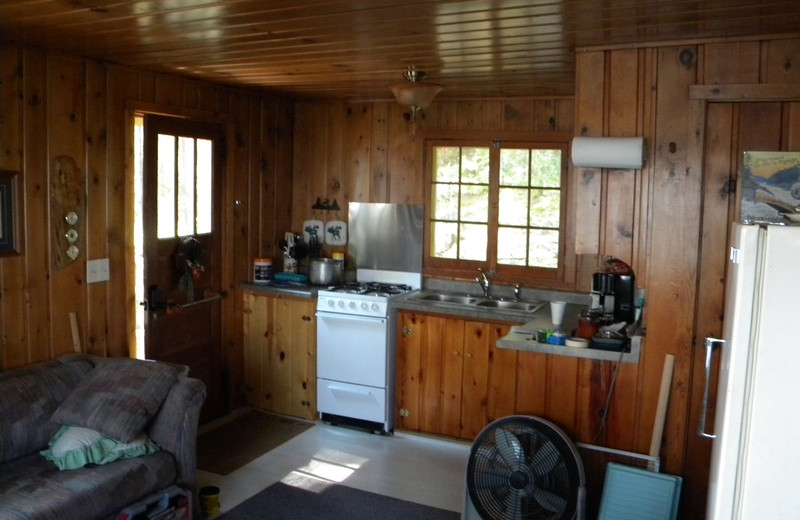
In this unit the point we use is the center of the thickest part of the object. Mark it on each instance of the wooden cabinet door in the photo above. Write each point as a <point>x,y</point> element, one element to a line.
<point>294,358</point>
<point>451,378</point>
<point>280,354</point>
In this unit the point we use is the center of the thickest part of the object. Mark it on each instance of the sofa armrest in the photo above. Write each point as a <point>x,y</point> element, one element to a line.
<point>174,428</point>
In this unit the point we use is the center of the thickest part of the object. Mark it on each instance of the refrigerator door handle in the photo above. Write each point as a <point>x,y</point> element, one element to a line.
<point>711,344</point>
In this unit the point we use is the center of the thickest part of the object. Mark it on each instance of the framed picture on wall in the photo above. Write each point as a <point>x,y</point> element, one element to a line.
<point>10,211</point>
<point>771,187</point>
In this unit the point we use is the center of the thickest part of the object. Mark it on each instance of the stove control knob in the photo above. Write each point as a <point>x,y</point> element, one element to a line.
<point>364,306</point>
<point>375,307</point>
<point>341,303</point>
<point>352,305</point>
<point>331,303</point>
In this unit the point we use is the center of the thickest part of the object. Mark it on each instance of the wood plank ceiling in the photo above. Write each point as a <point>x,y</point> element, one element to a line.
<point>353,49</point>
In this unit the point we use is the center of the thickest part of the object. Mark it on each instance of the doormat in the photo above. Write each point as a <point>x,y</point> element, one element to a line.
<point>244,439</point>
<point>332,502</point>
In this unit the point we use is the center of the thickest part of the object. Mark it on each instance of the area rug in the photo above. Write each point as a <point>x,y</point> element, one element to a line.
<point>330,502</point>
<point>241,440</point>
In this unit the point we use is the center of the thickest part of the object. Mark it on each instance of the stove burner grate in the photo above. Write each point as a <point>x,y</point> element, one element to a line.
<point>373,288</point>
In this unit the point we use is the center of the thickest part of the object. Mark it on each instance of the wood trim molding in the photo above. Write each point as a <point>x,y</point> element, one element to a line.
<point>746,92</point>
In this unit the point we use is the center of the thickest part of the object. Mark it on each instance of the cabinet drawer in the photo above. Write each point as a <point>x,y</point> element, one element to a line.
<point>359,402</point>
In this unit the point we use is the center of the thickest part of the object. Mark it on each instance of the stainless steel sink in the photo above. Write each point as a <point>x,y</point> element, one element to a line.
<point>450,298</point>
<point>512,305</point>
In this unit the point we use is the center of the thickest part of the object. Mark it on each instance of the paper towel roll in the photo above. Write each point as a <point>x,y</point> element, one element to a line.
<point>608,152</point>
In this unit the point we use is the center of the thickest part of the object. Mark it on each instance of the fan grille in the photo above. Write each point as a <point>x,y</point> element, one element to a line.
<point>523,467</point>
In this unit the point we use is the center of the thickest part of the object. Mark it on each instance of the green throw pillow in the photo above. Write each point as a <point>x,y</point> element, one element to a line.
<point>73,447</point>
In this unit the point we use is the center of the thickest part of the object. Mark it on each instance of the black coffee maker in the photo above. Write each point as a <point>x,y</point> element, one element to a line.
<point>612,296</point>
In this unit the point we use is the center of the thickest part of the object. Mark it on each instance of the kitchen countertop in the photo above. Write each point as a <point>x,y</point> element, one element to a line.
<point>529,321</point>
<point>526,341</point>
<point>539,319</point>
<point>413,301</point>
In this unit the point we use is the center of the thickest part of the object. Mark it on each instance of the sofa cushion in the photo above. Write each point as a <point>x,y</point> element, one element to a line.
<point>32,488</point>
<point>28,398</point>
<point>74,447</point>
<point>118,398</point>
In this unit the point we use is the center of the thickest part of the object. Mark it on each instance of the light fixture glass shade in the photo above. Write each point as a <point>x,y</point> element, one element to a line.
<point>415,93</point>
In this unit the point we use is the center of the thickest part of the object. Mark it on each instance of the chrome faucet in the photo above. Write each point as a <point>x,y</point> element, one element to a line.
<point>517,293</point>
<point>485,283</point>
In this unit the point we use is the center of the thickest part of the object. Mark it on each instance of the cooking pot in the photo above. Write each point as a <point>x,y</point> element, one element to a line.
<point>324,271</point>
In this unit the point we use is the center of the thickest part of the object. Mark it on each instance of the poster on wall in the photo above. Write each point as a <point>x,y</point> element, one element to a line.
<point>771,187</point>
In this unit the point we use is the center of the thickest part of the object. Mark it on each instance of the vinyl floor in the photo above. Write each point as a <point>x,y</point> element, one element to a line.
<point>417,468</point>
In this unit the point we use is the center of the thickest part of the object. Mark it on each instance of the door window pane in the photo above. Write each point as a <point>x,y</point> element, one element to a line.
<point>185,183</point>
<point>166,186</point>
<point>204,206</point>
<point>186,164</point>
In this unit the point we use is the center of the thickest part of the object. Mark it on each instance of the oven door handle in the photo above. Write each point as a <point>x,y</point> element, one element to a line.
<point>348,317</point>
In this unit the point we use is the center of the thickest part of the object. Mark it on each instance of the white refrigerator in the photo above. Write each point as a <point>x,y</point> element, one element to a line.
<point>755,460</point>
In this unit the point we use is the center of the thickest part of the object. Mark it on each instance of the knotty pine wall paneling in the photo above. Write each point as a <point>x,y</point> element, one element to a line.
<point>60,105</point>
<point>682,209</point>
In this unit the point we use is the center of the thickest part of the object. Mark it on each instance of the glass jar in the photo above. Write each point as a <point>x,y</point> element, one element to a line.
<point>588,324</point>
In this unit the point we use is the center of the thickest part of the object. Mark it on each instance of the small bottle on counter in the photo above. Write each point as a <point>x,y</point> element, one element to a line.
<point>339,258</point>
<point>262,270</point>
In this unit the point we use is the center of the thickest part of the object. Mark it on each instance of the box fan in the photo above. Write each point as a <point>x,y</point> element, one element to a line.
<point>524,468</point>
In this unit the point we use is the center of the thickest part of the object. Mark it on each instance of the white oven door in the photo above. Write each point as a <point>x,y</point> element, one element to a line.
<point>351,349</point>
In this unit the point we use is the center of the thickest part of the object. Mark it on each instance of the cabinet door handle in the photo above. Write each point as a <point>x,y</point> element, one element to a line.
<point>406,331</point>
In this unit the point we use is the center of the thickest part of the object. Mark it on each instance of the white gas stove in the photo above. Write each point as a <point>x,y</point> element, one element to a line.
<point>356,348</point>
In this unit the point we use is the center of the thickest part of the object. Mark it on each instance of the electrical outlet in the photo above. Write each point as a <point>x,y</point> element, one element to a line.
<point>97,270</point>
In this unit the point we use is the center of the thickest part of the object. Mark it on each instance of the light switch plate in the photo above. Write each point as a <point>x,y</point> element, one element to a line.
<point>97,270</point>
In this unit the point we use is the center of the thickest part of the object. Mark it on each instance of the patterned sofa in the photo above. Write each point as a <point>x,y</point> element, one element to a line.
<point>130,424</point>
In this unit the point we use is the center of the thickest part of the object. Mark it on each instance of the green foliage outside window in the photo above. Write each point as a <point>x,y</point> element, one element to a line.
<point>525,188</point>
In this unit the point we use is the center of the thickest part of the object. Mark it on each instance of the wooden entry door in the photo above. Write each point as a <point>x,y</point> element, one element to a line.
<point>182,250</point>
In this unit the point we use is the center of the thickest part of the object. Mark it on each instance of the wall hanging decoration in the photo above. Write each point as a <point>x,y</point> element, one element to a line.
<point>189,265</point>
<point>771,187</point>
<point>313,233</point>
<point>67,210</point>
<point>335,228</point>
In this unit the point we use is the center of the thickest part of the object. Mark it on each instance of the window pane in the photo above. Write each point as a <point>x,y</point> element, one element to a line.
<point>513,207</point>
<point>166,186</point>
<point>445,201</point>
<point>474,203</point>
<point>472,242</point>
<point>543,250</point>
<point>446,163</point>
<point>204,184</point>
<point>445,239</point>
<point>546,168</point>
<point>475,165</point>
<point>514,167</point>
<point>545,208</point>
<point>186,165</point>
<point>512,246</point>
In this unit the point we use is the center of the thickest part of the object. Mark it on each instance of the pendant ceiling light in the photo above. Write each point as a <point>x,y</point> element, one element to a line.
<point>414,93</point>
